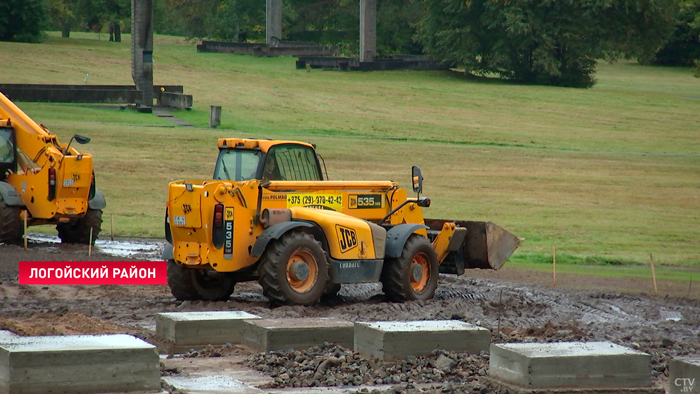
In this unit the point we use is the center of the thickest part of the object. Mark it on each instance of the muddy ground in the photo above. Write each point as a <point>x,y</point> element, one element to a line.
<point>528,307</point>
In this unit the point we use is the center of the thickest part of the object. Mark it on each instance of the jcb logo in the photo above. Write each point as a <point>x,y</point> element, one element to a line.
<point>347,238</point>
<point>76,177</point>
<point>186,208</point>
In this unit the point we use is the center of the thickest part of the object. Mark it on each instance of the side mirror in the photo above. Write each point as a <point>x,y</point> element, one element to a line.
<point>417,177</point>
<point>81,140</point>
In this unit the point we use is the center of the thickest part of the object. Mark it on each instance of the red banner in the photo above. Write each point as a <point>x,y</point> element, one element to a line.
<point>93,273</point>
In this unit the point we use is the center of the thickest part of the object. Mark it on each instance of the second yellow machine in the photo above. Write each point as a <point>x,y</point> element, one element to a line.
<point>45,181</point>
<point>269,215</point>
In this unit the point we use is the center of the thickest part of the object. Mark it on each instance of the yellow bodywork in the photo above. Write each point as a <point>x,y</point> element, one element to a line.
<point>37,151</point>
<point>333,206</point>
<point>348,238</point>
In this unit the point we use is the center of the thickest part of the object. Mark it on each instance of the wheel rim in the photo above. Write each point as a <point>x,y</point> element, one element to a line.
<point>302,271</point>
<point>420,272</point>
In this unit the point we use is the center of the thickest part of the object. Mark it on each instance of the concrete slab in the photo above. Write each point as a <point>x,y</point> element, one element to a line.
<point>388,341</point>
<point>6,334</point>
<point>215,384</point>
<point>684,376</point>
<point>196,329</point>
<point>299,333</point>
<point>78,364</point>
<point>570,364</point>
<point>498,386</point>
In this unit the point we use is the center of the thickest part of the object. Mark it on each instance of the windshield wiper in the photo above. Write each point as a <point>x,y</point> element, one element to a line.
<point>223,164</point>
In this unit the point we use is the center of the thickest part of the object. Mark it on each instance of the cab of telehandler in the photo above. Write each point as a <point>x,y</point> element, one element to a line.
<point>283,162</point>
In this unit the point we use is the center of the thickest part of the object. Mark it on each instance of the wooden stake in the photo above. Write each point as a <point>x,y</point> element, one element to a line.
<point>24,214</point>
<point>500,312</point>
<point>111,236</point>
<point>90,244</point>
<point>554,265</point>
<point>653,275</point>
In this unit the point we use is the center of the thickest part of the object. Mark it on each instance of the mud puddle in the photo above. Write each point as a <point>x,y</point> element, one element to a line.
<point>132,249</point>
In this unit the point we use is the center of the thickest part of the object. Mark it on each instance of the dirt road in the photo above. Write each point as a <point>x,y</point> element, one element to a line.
<point>528,311</point>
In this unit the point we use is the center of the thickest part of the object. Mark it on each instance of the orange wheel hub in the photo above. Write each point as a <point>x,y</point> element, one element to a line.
<point>420,272</point>
<point>302,270</point>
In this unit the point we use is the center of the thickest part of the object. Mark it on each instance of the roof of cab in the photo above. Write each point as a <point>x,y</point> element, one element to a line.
<point>263,145</point>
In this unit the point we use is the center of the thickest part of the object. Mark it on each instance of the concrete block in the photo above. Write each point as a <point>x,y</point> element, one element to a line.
<point>684,376</point>
<point>176,100</point>
<point>397,340</point>
<point>499,386</point>
<point>7,334</point>
<point>300,333</point>
<point>197,329</point>
<point>570,364</point>
<point>78,364</point>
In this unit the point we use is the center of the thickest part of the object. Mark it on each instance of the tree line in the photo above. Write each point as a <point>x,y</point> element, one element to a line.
<point>553,42</point>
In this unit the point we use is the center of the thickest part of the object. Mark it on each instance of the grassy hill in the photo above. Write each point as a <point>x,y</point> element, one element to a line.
<point>607,174</point>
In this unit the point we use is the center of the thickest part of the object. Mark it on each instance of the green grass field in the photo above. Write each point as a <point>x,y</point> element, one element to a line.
<point>608,174</point>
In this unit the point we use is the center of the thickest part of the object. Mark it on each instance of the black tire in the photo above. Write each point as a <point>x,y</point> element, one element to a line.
<point>11,228</point>
<point>418,257</point>
<point>189,284</point>
<point>212,285</point>
<point>282,283</point>
<point>78,231</point>
<point>180,282</point>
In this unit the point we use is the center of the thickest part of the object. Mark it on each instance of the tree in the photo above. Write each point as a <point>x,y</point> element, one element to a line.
<point>683,46</point>
<point>63,15</point>
<point>23,20</point>
<point>220,19</point>
<point>337,22</point>
<point>553,42</point>
<point>94,14</point>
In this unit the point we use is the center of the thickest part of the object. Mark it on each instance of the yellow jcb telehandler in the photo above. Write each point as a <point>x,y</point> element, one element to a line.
<point>269,215</point>
<point>49,181</point>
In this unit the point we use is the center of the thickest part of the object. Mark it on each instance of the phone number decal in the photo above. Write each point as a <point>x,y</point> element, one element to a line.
<point>333,202</point>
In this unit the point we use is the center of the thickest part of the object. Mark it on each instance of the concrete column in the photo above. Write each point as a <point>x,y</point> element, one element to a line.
<point>368,30</point>
<point>142,48</point>
<point>273,27</point>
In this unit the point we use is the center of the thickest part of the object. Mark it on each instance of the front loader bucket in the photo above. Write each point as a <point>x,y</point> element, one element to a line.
<point>486,245</point>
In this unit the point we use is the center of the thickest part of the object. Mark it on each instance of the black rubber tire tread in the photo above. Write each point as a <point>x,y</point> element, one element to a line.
<point>180,282</point>
<point>218,287</point>
<point>78,232</point>
<point>11,228</point>
<point>273,270</point>
<point>396,274</point>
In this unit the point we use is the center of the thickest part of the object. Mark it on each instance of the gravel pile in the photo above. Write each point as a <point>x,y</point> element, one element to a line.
<point>331,365</point>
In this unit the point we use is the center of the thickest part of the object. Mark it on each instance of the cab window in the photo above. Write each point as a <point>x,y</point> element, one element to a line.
<point>291,163</point>
<point>237,164</point>
<point>7,149</point>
